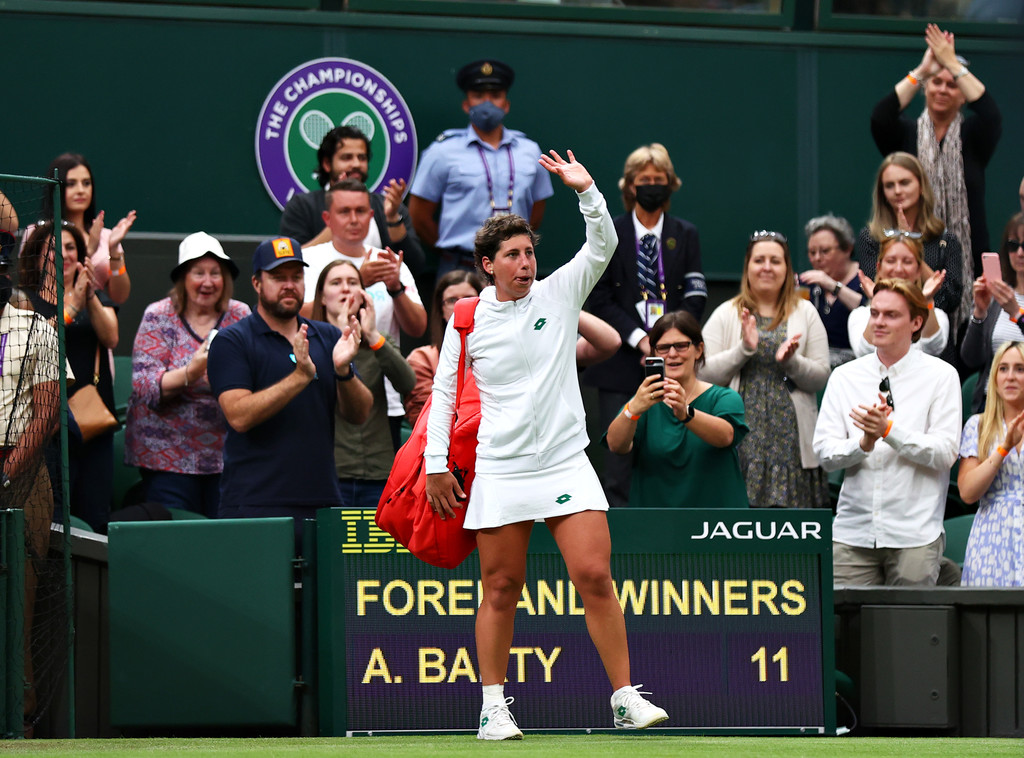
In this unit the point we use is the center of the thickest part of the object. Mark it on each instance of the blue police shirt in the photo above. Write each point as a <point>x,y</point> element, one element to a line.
<point>452,173</point>
<point>288,460</point>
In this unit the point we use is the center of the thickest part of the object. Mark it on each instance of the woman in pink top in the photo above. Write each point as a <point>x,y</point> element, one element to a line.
<point>78,206</point>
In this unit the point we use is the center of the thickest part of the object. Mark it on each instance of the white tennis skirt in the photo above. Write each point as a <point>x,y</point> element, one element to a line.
<point>570,487</point>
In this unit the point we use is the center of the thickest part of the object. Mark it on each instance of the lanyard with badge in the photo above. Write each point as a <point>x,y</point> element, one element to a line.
<point>652,309</point>
<point>495,211</point>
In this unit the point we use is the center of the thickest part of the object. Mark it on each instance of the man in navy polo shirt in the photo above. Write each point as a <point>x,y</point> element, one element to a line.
<point>278,378</point>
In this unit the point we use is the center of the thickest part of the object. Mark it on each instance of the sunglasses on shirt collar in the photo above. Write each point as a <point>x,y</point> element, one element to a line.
<point>883,386</point>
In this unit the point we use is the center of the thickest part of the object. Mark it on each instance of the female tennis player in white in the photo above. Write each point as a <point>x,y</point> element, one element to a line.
<point>531,462</point>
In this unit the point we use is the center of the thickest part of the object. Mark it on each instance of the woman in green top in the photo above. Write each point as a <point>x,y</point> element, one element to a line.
<point>363,453</point>
<point>683,432</point>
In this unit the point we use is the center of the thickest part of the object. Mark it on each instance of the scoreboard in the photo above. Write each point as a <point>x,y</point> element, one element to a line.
<point>728,615</point>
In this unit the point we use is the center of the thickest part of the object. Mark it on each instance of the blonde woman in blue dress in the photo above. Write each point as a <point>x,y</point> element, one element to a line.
<point>992,472</point>
<point>531,460</point>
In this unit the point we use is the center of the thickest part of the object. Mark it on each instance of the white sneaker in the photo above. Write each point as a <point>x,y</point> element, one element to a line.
<point>496,723</point>
<point>633,711</point>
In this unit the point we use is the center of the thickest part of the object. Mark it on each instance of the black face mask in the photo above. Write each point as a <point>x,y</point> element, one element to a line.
<point>650,197</point>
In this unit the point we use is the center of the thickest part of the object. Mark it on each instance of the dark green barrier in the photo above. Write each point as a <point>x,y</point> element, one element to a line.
<point>202,623</point>
<point>729,614</point>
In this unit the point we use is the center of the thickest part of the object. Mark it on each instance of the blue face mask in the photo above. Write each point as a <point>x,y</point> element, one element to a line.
<point>486,116</point>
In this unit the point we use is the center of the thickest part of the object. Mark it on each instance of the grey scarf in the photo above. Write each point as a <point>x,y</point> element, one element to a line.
<point>944,166</point>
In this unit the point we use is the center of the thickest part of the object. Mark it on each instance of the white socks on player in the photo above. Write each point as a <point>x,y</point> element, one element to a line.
<point>494,694</point>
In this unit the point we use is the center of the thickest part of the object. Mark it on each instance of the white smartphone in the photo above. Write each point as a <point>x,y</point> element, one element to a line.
<point>990,267</point>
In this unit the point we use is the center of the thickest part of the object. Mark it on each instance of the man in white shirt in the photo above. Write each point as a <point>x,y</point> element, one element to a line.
<point>892,420</point>
<point>385,276</point>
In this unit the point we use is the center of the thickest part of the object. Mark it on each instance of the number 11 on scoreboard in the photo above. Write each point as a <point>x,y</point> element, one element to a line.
<point>781,658</point>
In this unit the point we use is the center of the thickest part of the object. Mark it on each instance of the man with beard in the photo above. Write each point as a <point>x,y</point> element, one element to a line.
<point>278,379</point>
<point>478,171</point>
<point>345,154</point>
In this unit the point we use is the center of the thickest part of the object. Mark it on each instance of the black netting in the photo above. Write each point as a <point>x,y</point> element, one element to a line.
<point>30,423</point>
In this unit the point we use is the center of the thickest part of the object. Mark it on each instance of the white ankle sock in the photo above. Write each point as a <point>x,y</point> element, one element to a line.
<point>493,694</point>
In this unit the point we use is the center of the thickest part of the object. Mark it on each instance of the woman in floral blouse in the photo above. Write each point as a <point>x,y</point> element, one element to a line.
<point>175,431</point>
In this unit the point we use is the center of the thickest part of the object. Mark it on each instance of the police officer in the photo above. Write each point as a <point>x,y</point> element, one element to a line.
<point>478,171</point>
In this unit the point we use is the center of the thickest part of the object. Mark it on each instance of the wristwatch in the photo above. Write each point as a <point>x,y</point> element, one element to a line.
<point>961,73</point>
<point>397,292</point>
<point>347,377</point>
<point>835,290</point>
<point>689,414</point>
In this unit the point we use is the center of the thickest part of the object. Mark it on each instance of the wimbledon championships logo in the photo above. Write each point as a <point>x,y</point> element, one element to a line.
<point>317,96</point>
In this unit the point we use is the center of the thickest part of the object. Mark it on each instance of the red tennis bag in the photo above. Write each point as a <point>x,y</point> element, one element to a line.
<point>403,510</point>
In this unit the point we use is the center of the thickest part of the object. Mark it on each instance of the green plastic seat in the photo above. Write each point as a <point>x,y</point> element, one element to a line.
<point>122,385</point>
<point>958,529</point>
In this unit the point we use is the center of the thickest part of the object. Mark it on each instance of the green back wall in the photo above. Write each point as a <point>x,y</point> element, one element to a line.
<point>765,127</point>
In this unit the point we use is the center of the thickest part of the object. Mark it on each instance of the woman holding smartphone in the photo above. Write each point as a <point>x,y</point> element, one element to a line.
<point>997,308</point>
<point>175,430</point>
<point>683,432</point>
<point>531,456</point>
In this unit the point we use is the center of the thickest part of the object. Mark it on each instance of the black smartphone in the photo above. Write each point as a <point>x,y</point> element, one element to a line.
<point>654,367</point>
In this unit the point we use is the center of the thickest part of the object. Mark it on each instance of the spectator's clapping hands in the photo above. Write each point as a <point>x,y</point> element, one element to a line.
<point>788,349</point>
<point>346,347</point>
<point>393,193</point>
<point>816,276</point>
<point>120,230</point>
<point>368,321</point>
<point>300,349</point>
<point>872,420</point>
<point>748,329</point>
<point>867,285</point>
<point>942,47</point>
<point>1014,432</point>
<point>384,267</point>
<point>933,284</point>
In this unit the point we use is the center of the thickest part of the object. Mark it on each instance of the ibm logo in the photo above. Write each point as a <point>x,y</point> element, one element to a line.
<point>363,536</point>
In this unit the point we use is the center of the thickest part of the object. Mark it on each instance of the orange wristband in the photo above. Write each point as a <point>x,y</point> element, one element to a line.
<point>888,428</point>
<point>1002,451</point>
<point>627,414</point>
<point>119,272</point>
<point>378,344</point>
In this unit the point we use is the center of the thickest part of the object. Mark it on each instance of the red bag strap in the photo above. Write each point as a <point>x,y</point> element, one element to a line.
<point>462,320</point>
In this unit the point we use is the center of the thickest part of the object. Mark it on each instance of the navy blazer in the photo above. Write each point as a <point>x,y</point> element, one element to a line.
<point>615,296</point>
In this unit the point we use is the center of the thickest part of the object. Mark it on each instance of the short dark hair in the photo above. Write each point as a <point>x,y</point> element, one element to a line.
<point>458,276</point>
<point>345,185</point>
<point>684,322</point>
<point>329,146</point>
<point>62,164</point>
<point>496,230</point>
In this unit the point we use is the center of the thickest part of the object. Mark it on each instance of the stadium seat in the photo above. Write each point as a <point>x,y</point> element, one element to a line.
<point>80,523</point>
<point>125,476</point>
<point>122,385</point>
<point>181,514</point>
<point>957,531</point>
<point>967,388</point>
